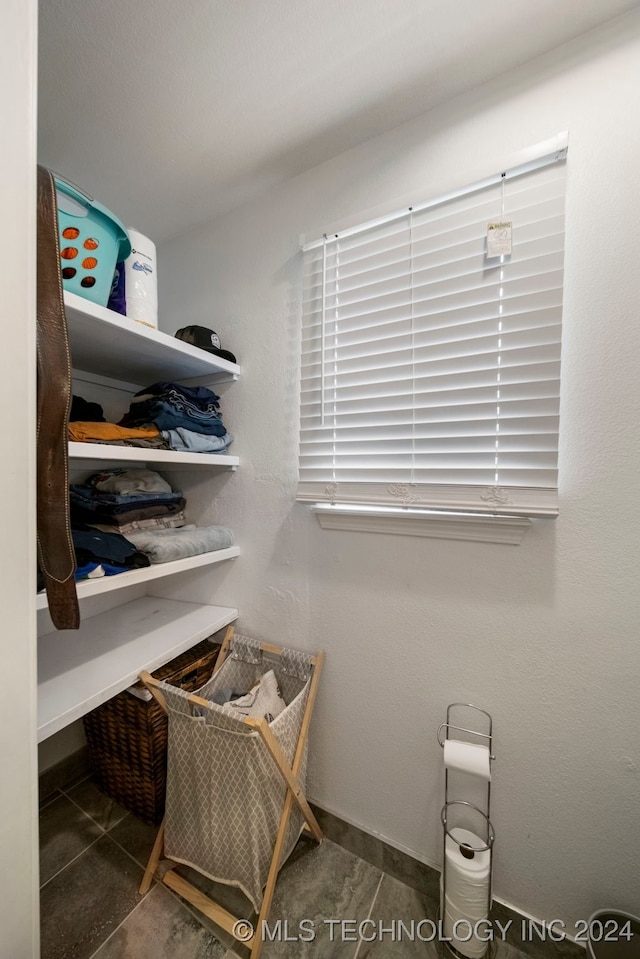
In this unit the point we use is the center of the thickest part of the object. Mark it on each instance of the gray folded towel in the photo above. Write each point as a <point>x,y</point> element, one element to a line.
<point>163,546</point>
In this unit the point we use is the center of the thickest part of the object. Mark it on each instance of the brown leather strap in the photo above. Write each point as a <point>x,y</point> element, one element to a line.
<point>55,545</point>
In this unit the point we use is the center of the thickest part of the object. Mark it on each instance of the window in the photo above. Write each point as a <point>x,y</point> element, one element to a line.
<point>430,370</point>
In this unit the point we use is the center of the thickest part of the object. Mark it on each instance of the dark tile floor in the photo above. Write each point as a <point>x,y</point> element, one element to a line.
<point>92,858</point>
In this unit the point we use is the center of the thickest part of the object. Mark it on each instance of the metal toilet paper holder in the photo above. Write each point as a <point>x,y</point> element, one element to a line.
<point>485,735</point>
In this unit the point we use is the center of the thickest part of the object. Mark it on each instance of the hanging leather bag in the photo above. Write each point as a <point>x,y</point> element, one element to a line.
<point>56,556</point>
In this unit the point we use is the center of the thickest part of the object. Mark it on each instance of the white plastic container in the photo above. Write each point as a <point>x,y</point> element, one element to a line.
<point>140,280</point>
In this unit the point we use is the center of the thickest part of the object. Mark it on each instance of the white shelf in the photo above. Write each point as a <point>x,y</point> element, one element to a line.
<point>109,344</point>
<point>105,584</point>
<point>164,459</point>
<point>81,669</point>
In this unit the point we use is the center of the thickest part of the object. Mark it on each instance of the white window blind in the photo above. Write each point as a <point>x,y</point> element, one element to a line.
<point>430,372</point>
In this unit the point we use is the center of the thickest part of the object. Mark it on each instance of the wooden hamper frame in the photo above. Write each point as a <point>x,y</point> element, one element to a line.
<point>165,871</point>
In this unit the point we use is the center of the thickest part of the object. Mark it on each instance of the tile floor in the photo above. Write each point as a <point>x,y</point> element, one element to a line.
<point>92,858</point>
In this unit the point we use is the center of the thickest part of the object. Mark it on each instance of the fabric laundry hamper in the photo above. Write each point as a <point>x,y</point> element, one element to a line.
<point>235,803</point>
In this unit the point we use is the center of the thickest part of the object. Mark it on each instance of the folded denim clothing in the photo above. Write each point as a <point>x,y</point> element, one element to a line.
<point>88,432</point>
<point>123,481</point>
<point>167,545</point>
<point>93,499</point>
<point>169,406</point>
<point>168,416</point>
<point>200,397</point>
<point>119,515</point>
<point>189,441</point>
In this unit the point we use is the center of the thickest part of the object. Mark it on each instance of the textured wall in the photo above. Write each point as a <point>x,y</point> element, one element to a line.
<point>543,635</point>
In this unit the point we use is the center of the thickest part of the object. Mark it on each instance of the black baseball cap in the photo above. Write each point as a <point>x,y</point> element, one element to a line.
<point>204,339</point>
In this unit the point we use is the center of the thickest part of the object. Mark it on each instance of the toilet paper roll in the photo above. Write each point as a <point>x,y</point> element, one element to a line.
<point>472,872</point>
<point>467,758</point>
<point>472,914</point>
<point>140,280</point>
<point>465,901</point>
<point>459,932</point>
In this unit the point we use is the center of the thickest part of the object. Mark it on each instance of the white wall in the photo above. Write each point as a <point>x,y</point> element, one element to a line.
<point>544,635</point>
<point>18,794</point>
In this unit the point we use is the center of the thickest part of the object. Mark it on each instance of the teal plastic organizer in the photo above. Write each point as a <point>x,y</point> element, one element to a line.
<point>92,241</point>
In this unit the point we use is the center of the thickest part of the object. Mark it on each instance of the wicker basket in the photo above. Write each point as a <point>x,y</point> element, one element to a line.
<point>127,737</point>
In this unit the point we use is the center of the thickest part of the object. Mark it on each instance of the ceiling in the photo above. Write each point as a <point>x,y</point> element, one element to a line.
<point>172,113</point>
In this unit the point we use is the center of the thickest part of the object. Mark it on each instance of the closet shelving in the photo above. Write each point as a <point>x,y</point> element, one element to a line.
<point>80,669</point>
<point>106,584</point>
<point>111,345</point>
<point>79,453</point>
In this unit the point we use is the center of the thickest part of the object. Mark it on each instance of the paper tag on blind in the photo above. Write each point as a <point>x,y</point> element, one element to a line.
<point>499,238</point>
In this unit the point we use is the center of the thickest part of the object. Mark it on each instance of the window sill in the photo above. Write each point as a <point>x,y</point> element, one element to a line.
<point>472,527</point>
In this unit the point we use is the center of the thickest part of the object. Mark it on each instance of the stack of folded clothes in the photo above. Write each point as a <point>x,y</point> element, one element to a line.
<point>124,500</point>
<point>123,518</point>
<point>162,416</point>
<point>188,417</point>
<point>104,554</point>
<point>101,554</point>
<point>87,425</point>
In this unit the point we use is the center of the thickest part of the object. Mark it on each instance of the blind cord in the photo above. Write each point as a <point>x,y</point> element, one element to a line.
<point>499,356</point>
<point>323,327</point>
<point>335,365</point>
<point>413,361</point>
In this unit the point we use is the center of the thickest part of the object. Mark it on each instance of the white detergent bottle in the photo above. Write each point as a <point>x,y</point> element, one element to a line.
<point>140,280</point>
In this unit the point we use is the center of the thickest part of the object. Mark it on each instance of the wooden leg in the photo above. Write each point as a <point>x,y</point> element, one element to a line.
<point>153,685</point>
<point>224,649</point>
<point>291,797</point>
<point>211,909</point>
<point>154,859</point>
<point>288,774</point>
<point>270,887</point>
